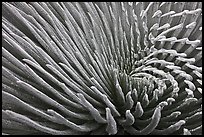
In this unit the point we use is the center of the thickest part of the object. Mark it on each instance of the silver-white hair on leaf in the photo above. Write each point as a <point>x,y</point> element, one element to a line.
<point>124,68</point>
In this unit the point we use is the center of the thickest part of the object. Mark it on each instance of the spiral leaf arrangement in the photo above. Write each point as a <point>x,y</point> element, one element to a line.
<point>102,68</point>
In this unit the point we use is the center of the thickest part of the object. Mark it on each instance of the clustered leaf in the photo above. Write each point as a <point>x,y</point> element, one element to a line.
<point>76,68</point>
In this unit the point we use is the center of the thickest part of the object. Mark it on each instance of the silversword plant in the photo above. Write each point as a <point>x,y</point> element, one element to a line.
<point>131,68</point>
